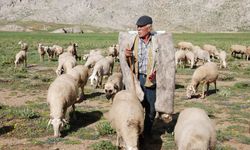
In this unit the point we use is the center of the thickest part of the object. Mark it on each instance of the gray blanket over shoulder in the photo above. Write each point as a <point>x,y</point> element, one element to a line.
<point>165,70</point>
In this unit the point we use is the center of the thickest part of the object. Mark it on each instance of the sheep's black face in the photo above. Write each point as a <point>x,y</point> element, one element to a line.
<point>109,93</point>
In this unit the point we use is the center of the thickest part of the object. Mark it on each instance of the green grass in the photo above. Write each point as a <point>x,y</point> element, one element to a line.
<point>104,128</point>
<point>103,145</point>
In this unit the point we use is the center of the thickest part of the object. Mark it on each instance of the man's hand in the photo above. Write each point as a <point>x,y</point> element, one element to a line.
<point>128,52</point>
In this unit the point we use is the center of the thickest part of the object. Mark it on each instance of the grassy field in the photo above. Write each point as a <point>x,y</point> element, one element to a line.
<point>24,113</point>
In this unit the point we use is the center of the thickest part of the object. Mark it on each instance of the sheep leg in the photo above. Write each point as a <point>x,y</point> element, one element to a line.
<point>203,92</point>
<point>215,87</point>
<point>73,112</point>
<point>25,60</point>
<point>207,89</point>
<point>81,97</point>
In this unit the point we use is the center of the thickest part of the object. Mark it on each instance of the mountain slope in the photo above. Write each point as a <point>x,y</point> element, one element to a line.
<point>173,15</point>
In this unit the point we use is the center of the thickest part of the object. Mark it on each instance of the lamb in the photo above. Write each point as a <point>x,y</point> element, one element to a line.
<point>185,46</point>
<point>101,68</point>
<point>41,51</point>
<point>194,130</point>
<point>62,94</point>
<point>65,62</point>
<point>238,49</point>
<point>222,57</point>
<point>127,121</point>
<point>24,46</point>
<point>72,49</point>
<point>58,50</point>
<point>113,85</point>
<point>211,49</point>
<point>80,73</point>
<point>21,57</point>
<point>205,74</point>
<point>201,54</point>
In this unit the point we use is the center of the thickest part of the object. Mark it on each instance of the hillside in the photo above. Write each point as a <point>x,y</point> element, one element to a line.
<point>178,15</point>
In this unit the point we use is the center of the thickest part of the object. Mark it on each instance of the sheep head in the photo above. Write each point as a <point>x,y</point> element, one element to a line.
<point>110,90</point>
<point>57,125</point>
<point>190,91</point>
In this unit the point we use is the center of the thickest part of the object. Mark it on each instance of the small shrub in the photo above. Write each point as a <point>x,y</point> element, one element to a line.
<point>46,79</point>
<point>223,136</point>
<point>25,113</point>
<point>20,76</point>
<point>104,128</point>
<point>227,77</point>
<point>242,85</point>
<point>225,92</point>
<point>54,140</point>
<point>227,147</point>
<point>103,145</point>
<point>244,139</point>
<point>72,142</point>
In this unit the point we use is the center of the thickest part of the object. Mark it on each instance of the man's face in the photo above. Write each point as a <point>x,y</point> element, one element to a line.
<point>143,30</point>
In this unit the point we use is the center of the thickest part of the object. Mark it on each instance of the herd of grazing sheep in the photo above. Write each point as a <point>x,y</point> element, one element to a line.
<point>194,129</point>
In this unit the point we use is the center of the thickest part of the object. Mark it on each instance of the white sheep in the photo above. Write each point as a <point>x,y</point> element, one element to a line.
<point>190,58</point>
<point>62,94</point>
<point>185,45</point>
<point>211,49</point>
<point>184,56</point>
<point>21,57</point>
<point>126,116</point>
<point>101,68</point>
<point>201,54</point>
<point>65,62</point>
<point>73,49</point>
<point>205,74</point>
<point>58,50</point>
<point>180,56</point>
<point>223,57</point>
<point>238,49</point>
<point>80,73</point>
<point>92,58</point>
<point>41,51</point>
<point>194,130</point>
<point>113,85</point>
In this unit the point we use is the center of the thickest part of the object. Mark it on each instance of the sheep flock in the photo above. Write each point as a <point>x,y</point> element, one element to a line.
<point>97,70</point>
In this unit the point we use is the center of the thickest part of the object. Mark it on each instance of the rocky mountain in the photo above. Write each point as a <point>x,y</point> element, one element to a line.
<point>171,15</point>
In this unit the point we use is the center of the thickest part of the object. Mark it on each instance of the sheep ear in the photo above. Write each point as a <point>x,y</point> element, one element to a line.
<point>116,87</point>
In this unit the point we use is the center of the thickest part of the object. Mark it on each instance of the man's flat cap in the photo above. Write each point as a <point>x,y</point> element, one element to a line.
<point>144,20</point>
